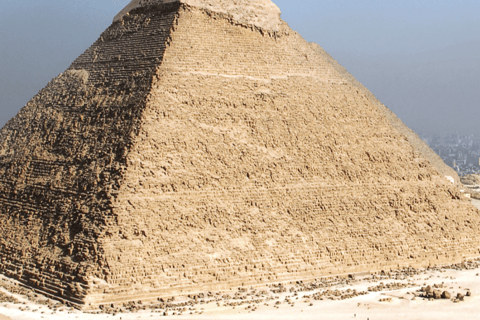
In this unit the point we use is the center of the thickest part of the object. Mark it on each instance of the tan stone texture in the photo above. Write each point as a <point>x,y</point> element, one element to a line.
<point>418,144</point>
<point>185,151</point>
<point>263,14</point>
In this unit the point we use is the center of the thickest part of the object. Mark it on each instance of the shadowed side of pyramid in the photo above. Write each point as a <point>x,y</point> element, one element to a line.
<point>63,155</point>
<point>187,151</point>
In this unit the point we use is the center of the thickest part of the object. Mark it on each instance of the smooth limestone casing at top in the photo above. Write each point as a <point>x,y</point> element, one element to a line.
<point>188,150</point>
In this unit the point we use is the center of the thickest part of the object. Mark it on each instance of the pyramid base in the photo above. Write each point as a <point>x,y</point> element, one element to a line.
<point>96,300</point>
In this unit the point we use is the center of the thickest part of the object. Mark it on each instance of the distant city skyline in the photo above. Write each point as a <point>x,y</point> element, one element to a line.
<point>459,151</point>
<point>420,58</point>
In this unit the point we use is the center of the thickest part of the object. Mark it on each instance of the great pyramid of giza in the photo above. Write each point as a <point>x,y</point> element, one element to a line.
<point>200,145</point>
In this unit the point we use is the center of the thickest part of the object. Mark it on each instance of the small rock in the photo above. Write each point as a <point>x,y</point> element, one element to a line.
<point>446,295</point>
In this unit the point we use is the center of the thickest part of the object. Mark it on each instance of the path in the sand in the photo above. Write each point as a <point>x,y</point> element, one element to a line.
<point>4,318</point>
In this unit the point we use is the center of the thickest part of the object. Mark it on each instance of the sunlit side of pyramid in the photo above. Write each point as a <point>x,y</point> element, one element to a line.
<point>198,146</point>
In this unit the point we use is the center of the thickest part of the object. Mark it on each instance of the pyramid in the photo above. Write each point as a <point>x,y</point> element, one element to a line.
<point>201,145</point>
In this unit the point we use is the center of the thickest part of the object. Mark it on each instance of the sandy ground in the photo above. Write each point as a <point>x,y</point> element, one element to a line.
<point>391,296</point>
<point>399,305</point>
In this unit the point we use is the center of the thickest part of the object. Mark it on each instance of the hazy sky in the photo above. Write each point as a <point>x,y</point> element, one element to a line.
<point>421,58</point>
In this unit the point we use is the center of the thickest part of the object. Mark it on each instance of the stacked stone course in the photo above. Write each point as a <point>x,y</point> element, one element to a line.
<point>188,151</point>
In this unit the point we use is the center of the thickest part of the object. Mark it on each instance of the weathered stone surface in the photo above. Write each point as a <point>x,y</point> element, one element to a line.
<point>437,294</point>
<point>263,14</point>
<point>418,144</point>
<point>184,151</point>
<point>446,295</point>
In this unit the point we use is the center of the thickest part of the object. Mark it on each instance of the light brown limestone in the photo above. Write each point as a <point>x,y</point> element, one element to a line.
<point>263,14</point>
<point>186,151</point>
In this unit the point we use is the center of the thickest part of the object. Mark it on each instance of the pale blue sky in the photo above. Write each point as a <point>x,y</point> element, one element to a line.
<point>421,58</point>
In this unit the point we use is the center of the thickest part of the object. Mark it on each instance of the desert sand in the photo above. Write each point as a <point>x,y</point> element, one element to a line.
<point>395,295</point>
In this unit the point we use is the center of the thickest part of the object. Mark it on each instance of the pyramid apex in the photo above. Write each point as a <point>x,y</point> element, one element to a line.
<point>261,13</point>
